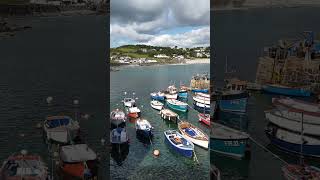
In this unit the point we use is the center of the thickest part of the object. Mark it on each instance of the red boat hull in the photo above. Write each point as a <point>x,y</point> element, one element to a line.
<point>204,119</point>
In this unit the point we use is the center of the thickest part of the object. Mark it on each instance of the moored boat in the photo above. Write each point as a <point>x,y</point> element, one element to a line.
<point>291,141</point>
<point>78,161</point>
<point>133,112</point>
<point>201,107</point>
<point>144,127</point>
<point>296,104</point>
<point>200,83</point>
<point>286,90</point>
<point>60,129</point>
<point>291,124</point>
<point>178,143</point>
<point>167,114</point>
<point>296,115</point>
<point>228,141</point>
<point>234,102</point>
<point>171,92</point>
<point>204,118</point>
<point>177,105</point>
<point>195,90</point>
<point>193,134</point>
<point>203,95</point>
<point>183,92</point>
<point>119,136</point>
<point>156,105</point>
<point>24,166</point>
<point>128,102</point>
<point>157,96</point>
<point>201,99</point>
<point>117,118</point>
<point>300,172</point>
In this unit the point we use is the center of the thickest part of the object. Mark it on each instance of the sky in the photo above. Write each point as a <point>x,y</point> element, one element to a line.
<point>182,23</point>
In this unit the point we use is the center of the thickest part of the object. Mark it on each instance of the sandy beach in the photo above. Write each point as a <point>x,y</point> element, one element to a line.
<point>198,61</point>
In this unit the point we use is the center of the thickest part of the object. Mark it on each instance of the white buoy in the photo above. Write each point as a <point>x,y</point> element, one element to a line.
<point>156,152</point>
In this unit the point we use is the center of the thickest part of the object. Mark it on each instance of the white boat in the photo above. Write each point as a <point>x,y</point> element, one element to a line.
<point>117,117</point>
<point>308,118</point>
<point>297,104</point>
<point>193,134</point>
<point>143,126</point>
<point>24,166</point>
<point>119,136</point>
<point>290,124</point>
<point>202,100</point>
<point>128,102</point>
<point>167,114</point>
<point>203,95</point>
<point>156,105</point>
<point>60,129</point>
<point>171,92</point>
<point>177,105</point>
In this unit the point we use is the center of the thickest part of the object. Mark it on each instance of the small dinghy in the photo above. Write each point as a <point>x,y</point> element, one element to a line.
<point>78,161</point>
<point>128,102</point>
<point>204,118</point>
<point>297,172</point>
<point>144,127</point>
<point>60,129</point>
<point>178,143</point>
<point>157,96</point>
<point>117,118</point>
<point>177,105</point>
<point>119,136</point>
<point>167,114</point>
<point>156,105</point>
<point>193,134</point>
<point>24,166</point>
<point>133,112</point>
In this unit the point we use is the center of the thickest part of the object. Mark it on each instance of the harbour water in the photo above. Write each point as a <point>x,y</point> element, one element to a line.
<point>241,35</point>
<point>61,57</point>
<point>140,163</point>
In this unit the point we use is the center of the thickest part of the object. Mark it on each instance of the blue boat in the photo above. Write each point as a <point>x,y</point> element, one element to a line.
<point>200,90</point>
<point>183,94</point>
<point>228,141</point>
<point>201,107</point>
<point>178,143</point>
<point>234,102</point>
<point>291,141</point>
<point>157,96</point>
<point>177,105</point>
<point>285,90</point>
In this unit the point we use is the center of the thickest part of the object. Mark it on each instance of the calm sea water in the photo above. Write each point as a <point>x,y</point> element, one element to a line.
<point>241,36</point>
<point>62,57</point>
<point>139,163</point>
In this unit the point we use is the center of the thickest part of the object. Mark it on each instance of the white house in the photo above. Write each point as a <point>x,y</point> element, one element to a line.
<point>199,54</point>
<point>161,56</point>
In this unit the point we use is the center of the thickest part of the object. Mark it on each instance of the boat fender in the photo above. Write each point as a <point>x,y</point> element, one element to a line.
<point>156,152</point>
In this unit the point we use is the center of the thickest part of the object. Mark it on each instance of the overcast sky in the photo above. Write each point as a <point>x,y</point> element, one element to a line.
<point>182,23</point>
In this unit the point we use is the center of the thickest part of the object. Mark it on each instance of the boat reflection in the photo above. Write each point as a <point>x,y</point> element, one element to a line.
<point>119,152</point>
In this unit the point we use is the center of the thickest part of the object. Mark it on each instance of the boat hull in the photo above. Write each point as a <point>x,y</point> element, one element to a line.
<point>203,108</point>
<point>183,108</point>
<point>286,91</point>
<point>157,107</point>
<point>200,90</point>
<point>204,120</point>
<point>183,94</point>
<point>160,98</point>
<point>171,96</point>
<point>233,105</point>
<point>187,153</point>
<point>145,133</point>
<point>307,150</point>
<point>230,147</point>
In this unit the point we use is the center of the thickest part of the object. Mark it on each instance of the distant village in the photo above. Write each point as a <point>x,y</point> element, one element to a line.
<point>149,54</point>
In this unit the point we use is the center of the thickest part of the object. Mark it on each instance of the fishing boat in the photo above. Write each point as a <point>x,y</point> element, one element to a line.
<point>144,127</point>
<point>201,99</point>
<point>178,143</point>
<point>300,172</point>
<point>128,102</point>
<point>167,114</point>
<point>171,92</point>
<point>78,161</point>
<point>117,118</point>
<point>286,90</point>
<point>228,141</point>
<point>291,141</point>
<point>253,86</point>
<point>60,129</point>
<point>119,153</point>
<point>157,96</point>
<point>183,92</point>
<point>296,104</point>
<point>133,111</point>
<point>291,124</point>
<point>204,118</point>
<point>119,136</point>
<point>215,173</point>
<point>193,134</point>
<point>234,96</point>
<point>201,107</point>
<point>296,115</point>
<point>156,105</point>
<point>23,166</point>
<point>177,105</point>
